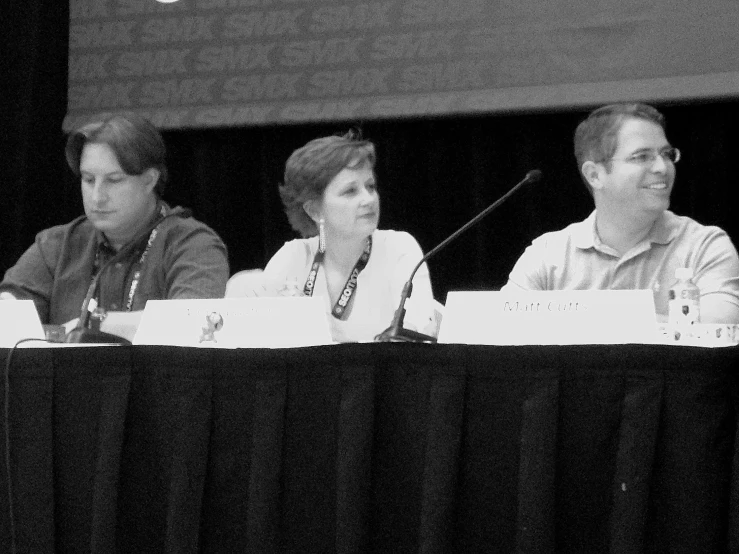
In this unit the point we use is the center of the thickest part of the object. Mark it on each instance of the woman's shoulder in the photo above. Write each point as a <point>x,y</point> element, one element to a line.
<point>295,252</point>
<point>299,246</point>
<point>396,241</point>
<point>391,236</point>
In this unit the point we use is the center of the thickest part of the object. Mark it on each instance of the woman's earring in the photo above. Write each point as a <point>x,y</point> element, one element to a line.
<point>321,236</point>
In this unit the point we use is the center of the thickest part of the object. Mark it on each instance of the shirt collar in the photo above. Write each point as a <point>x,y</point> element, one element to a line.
<point>664,230</point>
<point>584,235</point>
<point>103,244</point>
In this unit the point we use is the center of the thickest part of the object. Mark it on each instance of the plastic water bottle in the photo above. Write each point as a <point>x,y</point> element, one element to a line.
<point>683,303</point>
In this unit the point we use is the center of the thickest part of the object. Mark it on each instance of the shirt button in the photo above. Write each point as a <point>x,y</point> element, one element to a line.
<point>114,307</point>
<point>118,265</point>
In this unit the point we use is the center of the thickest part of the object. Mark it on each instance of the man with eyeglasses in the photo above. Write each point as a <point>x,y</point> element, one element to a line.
<point>632,240</point>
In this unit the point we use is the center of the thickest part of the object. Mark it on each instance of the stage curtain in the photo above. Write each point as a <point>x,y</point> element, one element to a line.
<point>372,448</point>
<point>434,173</point>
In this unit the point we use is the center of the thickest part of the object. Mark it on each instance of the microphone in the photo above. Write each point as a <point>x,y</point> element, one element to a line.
<point>81,333</point>
<point>396,332</point>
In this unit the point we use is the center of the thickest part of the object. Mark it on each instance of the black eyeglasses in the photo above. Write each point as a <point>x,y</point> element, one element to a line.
<point>648,157</point>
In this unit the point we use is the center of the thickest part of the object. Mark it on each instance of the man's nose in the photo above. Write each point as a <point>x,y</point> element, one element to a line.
<point>98,193</point>
<point>659,164</point>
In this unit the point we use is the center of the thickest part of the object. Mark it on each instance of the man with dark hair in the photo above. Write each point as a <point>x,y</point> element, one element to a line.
<point>632,240</point>
<point>120,163</point>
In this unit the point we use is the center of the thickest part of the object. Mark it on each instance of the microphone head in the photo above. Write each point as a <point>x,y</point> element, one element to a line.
<point>533,175</point>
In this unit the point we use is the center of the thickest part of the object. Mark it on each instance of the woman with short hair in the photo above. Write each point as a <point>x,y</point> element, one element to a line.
<point>331,198</point>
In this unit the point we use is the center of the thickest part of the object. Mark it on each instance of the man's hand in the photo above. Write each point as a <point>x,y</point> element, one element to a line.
<point>71,324</point>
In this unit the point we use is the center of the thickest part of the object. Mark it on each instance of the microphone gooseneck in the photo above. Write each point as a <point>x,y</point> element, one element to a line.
<point>81,333</point>
<point>395,332</point>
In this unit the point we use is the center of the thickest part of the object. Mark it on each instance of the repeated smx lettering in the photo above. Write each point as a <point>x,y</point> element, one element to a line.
<point>178,29</point>
<point>442,76</point>
<point>233,115</point>
<point>347,17</point>
<point>257,24</point>
<point>257,87</point>
<point>427,44</point>
<point>287,60</point>
<point>321,52</point>
<point>152,62</point>
<point>342,82</point>
<point>234,58</point>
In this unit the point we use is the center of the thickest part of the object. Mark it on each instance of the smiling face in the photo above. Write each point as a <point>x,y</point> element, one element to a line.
<point>633,187</point>
<point>350,205</point>
<point>116,203</point>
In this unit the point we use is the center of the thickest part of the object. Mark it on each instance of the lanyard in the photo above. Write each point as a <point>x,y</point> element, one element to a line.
<point>137,274</point>
<point>339,309</point>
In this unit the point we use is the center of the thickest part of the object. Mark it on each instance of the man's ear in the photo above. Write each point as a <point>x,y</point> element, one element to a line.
<point>592,172</point>
<point>151,178</point>
<point>311,207</point>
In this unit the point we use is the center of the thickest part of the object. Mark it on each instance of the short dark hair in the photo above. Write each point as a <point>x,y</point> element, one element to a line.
<point>596,138</point>
<point>310,169</point>
<point>134,140</point>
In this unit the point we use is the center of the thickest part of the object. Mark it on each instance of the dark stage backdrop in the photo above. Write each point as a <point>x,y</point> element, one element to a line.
<point>434,173</point>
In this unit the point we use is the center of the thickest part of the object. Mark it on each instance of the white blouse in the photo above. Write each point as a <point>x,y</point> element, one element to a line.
<point>379,285</point>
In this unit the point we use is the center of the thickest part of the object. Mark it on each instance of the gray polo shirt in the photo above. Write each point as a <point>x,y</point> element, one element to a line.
<point>574,258</point>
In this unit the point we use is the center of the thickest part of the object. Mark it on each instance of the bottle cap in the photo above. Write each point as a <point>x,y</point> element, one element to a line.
<point>683,273</point>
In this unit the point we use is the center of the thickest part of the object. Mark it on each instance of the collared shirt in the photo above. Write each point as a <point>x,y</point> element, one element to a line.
<point>187,259</point>
<point>574,258</point>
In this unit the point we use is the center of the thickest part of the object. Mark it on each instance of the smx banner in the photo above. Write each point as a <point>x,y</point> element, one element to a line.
<point>206,63</point>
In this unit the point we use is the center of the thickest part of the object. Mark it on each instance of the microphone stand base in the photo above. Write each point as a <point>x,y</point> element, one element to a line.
<point>88,336</point>
<point>403,335</point>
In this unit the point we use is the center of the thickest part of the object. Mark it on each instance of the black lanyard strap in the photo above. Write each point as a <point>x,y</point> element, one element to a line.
<point>137,273</point>
<point>341,305</point>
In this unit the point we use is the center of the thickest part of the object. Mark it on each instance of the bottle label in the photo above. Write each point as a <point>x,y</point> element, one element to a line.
<point>683,310</point>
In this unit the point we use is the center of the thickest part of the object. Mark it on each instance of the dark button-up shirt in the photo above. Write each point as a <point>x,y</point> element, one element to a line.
<point>187,259</point>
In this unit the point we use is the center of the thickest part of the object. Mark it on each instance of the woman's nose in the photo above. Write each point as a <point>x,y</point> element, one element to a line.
<point>369,194</point>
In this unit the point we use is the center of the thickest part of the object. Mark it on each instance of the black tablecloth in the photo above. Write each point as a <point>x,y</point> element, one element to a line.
<point>372,448</point>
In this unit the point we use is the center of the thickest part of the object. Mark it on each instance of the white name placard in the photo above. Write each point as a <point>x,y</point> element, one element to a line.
<point>235,323</point>
<point>549,317</point>
<point>19,320</point>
